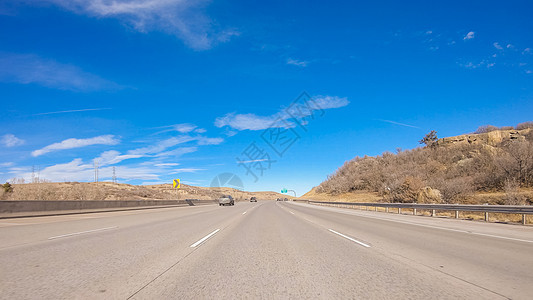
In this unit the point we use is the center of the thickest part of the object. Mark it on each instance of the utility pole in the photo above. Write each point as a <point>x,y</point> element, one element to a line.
<point>95,171</point>
<point>114,176</point>
<point>33,174</point>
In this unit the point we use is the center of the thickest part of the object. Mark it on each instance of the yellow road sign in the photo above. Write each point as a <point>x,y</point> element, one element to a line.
<point>176,183</point>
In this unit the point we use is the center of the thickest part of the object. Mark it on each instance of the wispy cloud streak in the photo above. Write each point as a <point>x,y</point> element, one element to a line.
<point>398,123</point>
<point>77,143</point>
<point>32,69</point>
<point>69,111</point>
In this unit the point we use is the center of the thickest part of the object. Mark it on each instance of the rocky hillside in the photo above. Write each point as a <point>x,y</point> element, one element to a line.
<point>491,166</point>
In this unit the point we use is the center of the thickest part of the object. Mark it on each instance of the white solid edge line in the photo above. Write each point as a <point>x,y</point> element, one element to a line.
<point>349,238</point>
<point>82,232</point>
<point>204,238</point>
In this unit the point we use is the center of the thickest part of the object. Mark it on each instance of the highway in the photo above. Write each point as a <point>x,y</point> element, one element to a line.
<point>267,250</point>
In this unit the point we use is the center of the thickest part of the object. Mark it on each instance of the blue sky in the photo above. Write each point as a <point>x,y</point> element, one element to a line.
<point>163,89</point>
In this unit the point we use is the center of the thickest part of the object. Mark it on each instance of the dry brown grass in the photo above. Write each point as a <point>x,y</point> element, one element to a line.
<point>118,191</point>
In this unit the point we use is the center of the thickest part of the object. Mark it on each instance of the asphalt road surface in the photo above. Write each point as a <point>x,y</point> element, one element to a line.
<point>267,250</point>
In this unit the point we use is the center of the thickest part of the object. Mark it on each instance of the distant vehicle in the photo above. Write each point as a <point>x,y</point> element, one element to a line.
<point>285,199</point>
<point>253,199</point>
<point>226,200</point>
<point>279,199</point>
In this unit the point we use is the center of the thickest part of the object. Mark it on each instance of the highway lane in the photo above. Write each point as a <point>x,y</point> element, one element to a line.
<point>496,257</point>
<point>260,250</point>
<point>111,263</point>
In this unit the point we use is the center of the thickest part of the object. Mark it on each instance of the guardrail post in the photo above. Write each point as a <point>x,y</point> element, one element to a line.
<point>457,214</point>
<point>399,210</point>
<point>375,208</point>
<point>432,212</point>
<point>523,219</point>
<point>387,209</point>
<point>414,211</point>
<point>486,216</point>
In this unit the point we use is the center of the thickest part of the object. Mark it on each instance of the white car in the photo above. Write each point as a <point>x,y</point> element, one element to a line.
<point>226,200</point>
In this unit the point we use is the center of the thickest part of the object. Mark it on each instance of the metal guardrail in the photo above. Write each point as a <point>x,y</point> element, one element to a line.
<point>507,209</point>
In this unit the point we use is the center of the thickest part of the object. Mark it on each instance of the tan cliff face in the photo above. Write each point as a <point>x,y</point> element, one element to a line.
<point>492,138</point>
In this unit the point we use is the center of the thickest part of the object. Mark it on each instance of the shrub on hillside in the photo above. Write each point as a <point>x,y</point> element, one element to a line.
<point>512,193</point>
<point>7,188</point>
<point>524,125</point>
<point>407,191</point>
<point>485,129</point>
<point>517,162</point>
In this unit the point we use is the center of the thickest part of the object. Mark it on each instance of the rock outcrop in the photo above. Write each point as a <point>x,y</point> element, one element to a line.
<point>492,138</point>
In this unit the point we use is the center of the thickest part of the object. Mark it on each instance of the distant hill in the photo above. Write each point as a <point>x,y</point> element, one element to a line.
<point>492,165</point>
<point>118,191</point>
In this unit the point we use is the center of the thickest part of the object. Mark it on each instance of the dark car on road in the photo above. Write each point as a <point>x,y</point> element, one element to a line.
<point>253,199</point>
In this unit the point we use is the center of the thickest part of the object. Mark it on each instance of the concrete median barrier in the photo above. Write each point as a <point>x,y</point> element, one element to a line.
<point>18,209</point>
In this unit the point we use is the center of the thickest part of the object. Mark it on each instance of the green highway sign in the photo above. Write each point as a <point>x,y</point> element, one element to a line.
<point>283,191</point>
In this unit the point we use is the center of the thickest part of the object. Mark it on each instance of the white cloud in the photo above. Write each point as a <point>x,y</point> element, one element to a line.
<point>469,36</point>
<point>527,51</point>
<point>186,170</point>
<point>483,63</point>
<point>10,140</point>
<point>497,46</point>
<point>181,128</point>
<point>28,69</point>
<point>185,127</point>
<point>160,148</point>
<point>299,63</point>
<point>429,32</point>
<point>248,121</point>
<point>112,157</point>
<point>281,119</point>
<point>77,143</point>
<point>177,152</point>
<point>251,161</point>
<point>6,164</point>
<point>185,19</point>
<point>162,145</point>
<point>209,141</point>
<point>200,130</point>
<point>167,165</point>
